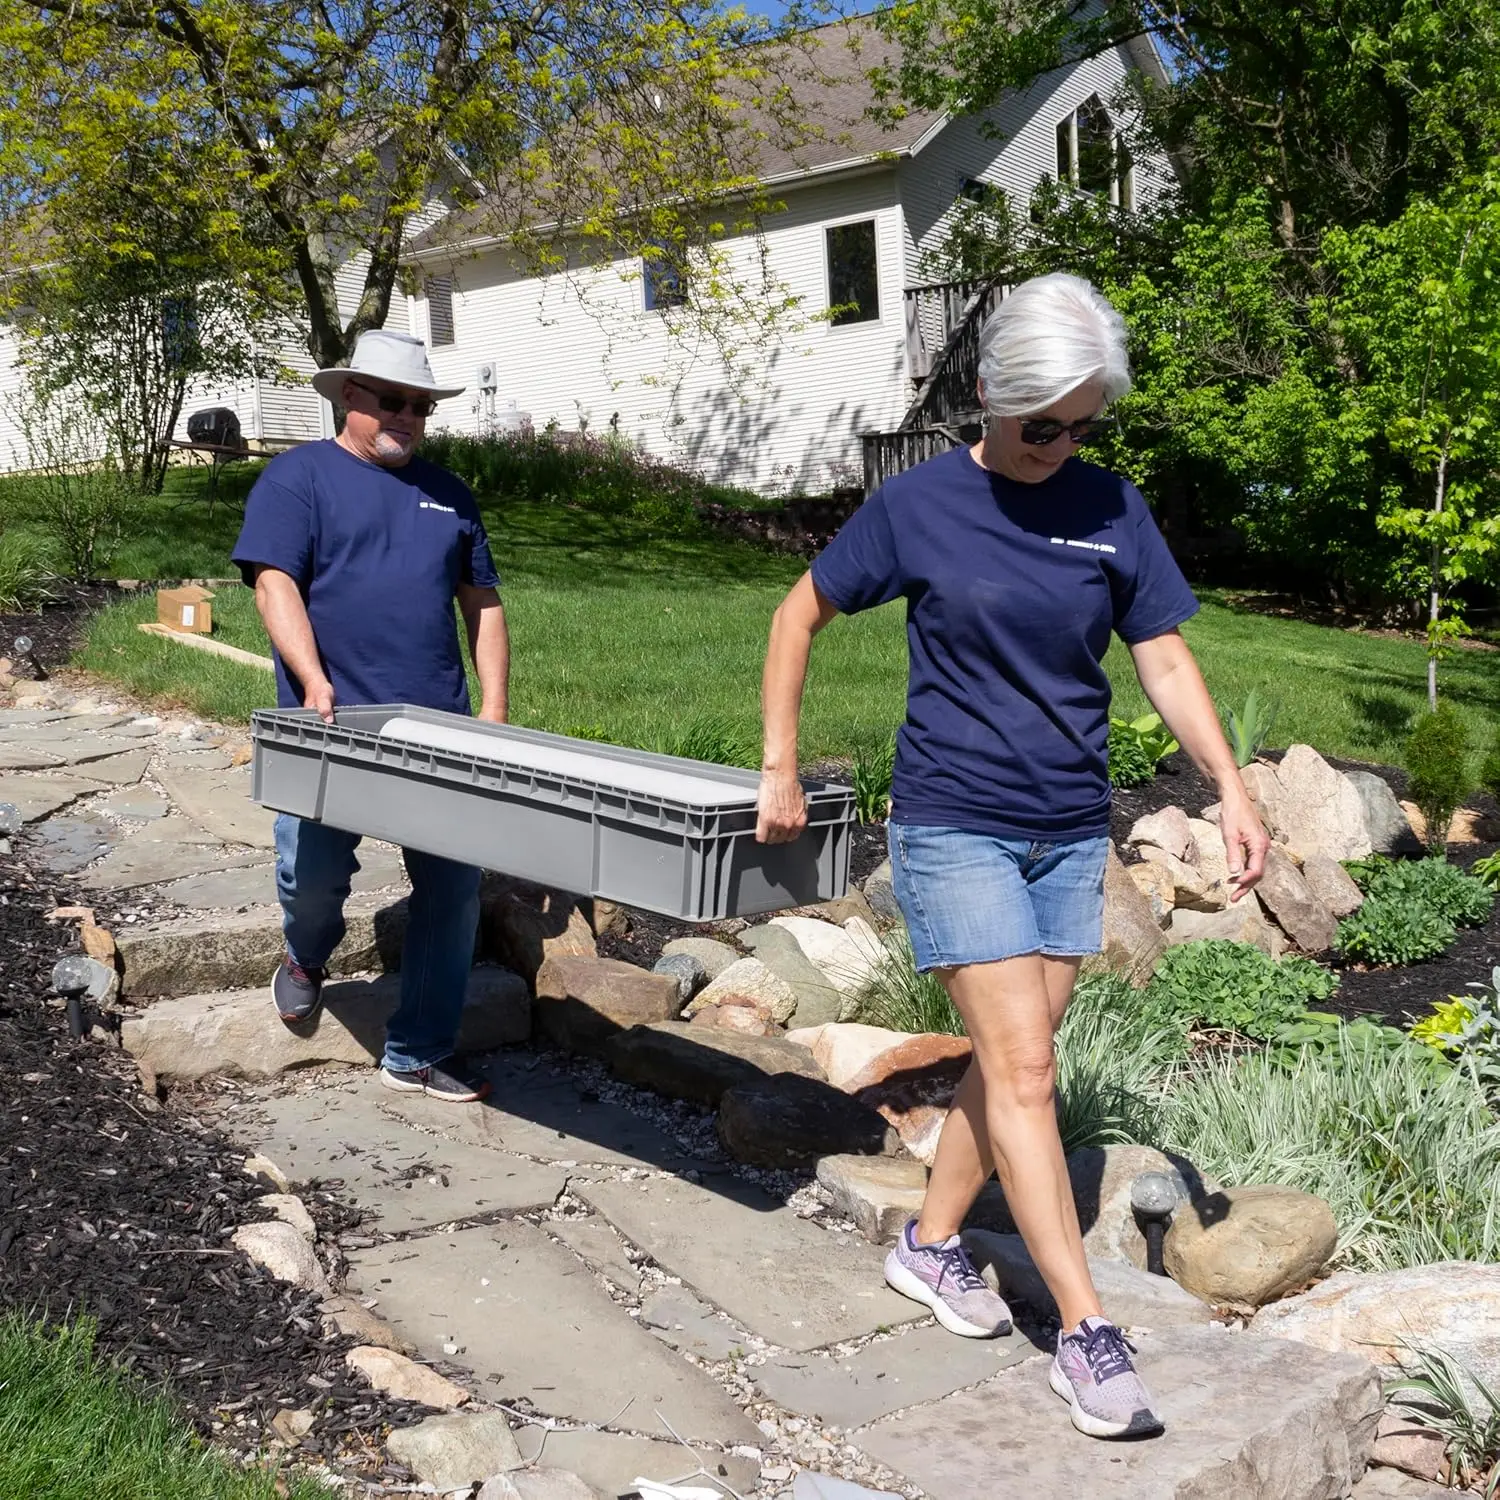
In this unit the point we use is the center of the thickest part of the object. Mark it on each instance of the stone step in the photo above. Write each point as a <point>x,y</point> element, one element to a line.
<point>402,1178</point>
<point>534,1325</point>
<point>792,1282</point>
<point>240,950</point>
<point>239,1033</point>
<point>1244,1421</point>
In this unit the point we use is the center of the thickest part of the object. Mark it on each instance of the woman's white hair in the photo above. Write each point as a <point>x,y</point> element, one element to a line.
<point>1049,336</point>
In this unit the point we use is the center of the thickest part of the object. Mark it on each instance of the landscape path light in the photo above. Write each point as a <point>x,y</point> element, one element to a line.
<point>24,653</point>
<point>1154,1196</point>
<point>71,977</point>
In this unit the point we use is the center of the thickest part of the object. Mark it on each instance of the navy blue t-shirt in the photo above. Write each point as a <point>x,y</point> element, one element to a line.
<point>1011,593</point>
<point>378,555</point>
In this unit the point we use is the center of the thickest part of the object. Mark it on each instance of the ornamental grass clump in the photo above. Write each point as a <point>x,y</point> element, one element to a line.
<point>1407,1156</point>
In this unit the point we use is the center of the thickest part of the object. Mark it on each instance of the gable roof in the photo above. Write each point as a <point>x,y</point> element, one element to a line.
<point>824,76</point>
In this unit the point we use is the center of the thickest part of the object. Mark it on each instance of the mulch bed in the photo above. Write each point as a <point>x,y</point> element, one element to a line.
<point>56,630</point>
<point>118,1207</point>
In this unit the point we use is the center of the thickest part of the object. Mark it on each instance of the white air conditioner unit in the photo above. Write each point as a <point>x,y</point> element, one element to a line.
<point>484,377</point>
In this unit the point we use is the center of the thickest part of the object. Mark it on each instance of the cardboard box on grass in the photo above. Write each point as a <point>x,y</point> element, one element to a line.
<point>187,609</point>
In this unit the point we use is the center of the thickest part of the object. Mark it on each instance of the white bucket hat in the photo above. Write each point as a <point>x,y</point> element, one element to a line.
<point>380,354</point>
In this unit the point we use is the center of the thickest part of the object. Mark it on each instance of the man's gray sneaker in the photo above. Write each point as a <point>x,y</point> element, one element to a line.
<point>298,992</point>
<point>1092,1372</point>
<point>451,1080</point>
<point>946,1280</point>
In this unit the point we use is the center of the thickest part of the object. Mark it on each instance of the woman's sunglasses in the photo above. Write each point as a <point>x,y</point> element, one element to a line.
<point>1042,430</point>
<point>395,405</point>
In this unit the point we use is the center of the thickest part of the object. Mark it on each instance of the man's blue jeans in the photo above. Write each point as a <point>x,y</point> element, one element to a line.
<point>314,865</point>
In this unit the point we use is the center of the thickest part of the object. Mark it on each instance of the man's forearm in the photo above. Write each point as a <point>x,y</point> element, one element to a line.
<point>489,645</point>
<point>285,618</point>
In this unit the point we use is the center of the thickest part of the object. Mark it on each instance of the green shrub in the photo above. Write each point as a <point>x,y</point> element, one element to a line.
<point>1136,746</point>
<point>1489,771</point>
<point>1437,762</point>
<point>26,575</point>
<point>1407,1155</point>
<point>1439,886</point>
<point>706,737</point>
<point>605,475</point>
<point>872,781</point>
<point>1474,1043</point>
<point>1388,930</point>
<point>1234,987</point>
<point>82,514</point>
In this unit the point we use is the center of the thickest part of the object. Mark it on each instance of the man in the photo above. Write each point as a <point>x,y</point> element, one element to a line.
<point>357,550</point>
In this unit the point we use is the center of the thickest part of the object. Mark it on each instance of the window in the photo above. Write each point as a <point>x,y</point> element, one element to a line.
<point>440,310</point>
<point>972,190</point>
<point>853,286</point>
<point>664,282</point>
<point>1091,155</point>
<point>179,330</point>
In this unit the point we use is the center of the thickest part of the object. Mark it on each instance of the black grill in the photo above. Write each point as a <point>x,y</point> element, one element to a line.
<point>217,424</point>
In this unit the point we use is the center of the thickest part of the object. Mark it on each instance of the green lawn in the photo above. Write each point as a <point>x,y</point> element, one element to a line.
<point>73,1429</point>
<point>626,635</point>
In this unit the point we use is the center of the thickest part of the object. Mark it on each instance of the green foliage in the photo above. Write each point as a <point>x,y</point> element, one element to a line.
<point>1437,761</point>
<point>1406,1154</point>
<point>710,738</point>
<point>1318,1032</point>
<point>26,574</point>
<point>1446,1018</point>
<point>1489,770</point>
<point>1438,886</point>
<point>74,1428</point>
<point>1234,987</point>
<point>1475,1042</point>
<point>1115,1060</point>
<point>1387,930</point>
<point>898,997</point>
<point>1363,872</point>
<point>1452,1399</point>
<point>1249,729</point>
<point>872,774</point>
<point>1136,747</point>
<point>1487,871</point>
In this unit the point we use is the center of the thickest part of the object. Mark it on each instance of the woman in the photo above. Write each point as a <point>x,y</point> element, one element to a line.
<point>1017,561</point>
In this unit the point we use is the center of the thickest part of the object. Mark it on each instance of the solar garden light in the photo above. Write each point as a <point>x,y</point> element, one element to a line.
<point>24,652</point>
<point>1153,1196</point>
<point>70,978</point>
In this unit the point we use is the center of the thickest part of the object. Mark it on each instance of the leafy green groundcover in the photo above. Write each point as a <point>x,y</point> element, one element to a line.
<point>72,1428</point>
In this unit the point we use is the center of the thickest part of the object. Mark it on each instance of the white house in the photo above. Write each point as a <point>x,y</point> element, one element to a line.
<point>862,210</point>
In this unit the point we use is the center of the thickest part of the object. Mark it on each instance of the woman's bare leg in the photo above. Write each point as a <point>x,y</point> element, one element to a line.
<point>1004,1114</point>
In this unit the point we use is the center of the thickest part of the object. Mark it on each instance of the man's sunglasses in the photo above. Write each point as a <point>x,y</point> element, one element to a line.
<point>1042,430</point>
<point>395,405</point>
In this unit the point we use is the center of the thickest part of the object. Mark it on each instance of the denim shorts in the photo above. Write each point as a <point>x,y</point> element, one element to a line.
<point>970,898</point>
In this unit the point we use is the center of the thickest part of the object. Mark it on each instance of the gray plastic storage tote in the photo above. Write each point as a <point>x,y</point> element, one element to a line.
<point>655,831</point>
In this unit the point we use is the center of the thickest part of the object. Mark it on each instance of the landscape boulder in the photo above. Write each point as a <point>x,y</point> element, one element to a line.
<point>1243,1247</point>
<point>1244,921</point>
<point>746,1019</point>
<point>456,1451</point>
<point>1332,884</point>
<point>1386,822</point>
<point>1403,1443</point>
<point>845,1048</point>
<point>1264,786</point>
<point>582,1001</point>
<point>1212,862</point>
<point>1132,941</point>
<point>747,981</point>
<point>790,1120</point>
<point>404,1379</point>
<point>878,1193</point>
<point>1321,810</point>
<point>522,925</point>
<point>1166,830</point>
<point>848,955</point>
<point>819,1000</point>
<point>279,1249</point>
<point>1156,883</point>
<point>912,1085</point>
<point>1285,894</point>
<point>881,893</point>
<point>688,971</point>
<point>537,1484</point>
<point>685,1061</point>
<point>1191,889</point>
<point>710,952</point>
<point>1454,1305</point>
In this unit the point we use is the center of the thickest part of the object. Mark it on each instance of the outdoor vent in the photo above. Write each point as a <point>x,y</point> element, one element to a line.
<point>215,424</point>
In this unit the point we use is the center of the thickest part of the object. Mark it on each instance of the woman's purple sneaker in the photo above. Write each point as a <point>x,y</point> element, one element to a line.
<point>946,1280</point>
<point>1092,1372</point>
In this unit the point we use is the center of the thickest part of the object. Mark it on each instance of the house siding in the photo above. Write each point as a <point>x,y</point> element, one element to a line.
<point>581,350</point>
